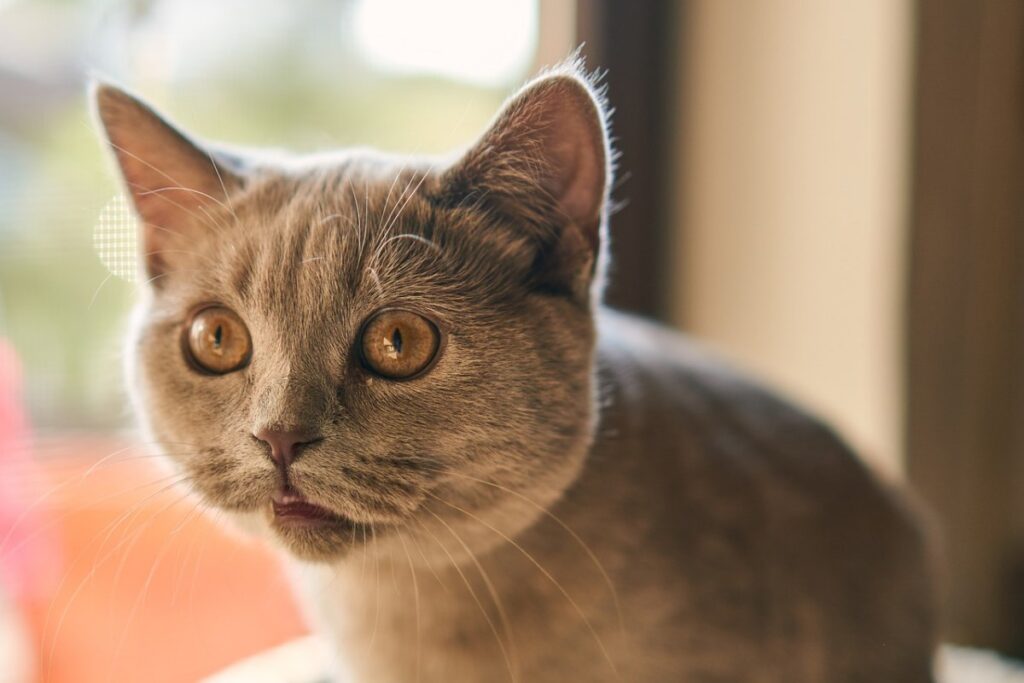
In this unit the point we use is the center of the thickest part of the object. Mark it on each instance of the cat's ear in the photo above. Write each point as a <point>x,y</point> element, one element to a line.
<point>174,183</point>
<point>545,162</point>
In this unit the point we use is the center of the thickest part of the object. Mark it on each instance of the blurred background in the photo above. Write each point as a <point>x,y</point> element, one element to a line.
<point>827,193</point>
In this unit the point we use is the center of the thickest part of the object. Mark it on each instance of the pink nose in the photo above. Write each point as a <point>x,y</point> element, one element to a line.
<point>285,444</point>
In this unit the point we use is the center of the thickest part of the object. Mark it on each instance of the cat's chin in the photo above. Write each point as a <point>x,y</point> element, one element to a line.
<point>314,534</point>
<point>318,543</point>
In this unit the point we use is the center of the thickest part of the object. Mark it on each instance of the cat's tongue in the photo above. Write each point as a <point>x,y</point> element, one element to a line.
<point>291,506</point>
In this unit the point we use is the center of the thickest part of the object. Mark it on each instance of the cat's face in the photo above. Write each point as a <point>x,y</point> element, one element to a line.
<point>358,349</point>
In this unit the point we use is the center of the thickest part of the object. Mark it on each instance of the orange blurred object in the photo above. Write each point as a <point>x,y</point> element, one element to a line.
<point>150,588</point>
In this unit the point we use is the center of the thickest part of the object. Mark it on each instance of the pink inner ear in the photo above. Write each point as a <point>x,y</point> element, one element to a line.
<point>580,190</point>
<point>576,164</point>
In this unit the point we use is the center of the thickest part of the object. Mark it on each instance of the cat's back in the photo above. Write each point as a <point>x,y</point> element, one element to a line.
<point>661,387</point>
<point>773,525</point>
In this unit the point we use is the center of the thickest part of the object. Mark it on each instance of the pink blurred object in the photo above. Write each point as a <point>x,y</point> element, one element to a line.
<point>27,560</point>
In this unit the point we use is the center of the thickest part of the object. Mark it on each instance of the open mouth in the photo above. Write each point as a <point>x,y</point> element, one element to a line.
<point>292,509</point>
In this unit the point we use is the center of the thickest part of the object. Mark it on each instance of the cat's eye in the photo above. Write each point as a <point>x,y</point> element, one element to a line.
<point>399,344</point>
<point>217,341</point>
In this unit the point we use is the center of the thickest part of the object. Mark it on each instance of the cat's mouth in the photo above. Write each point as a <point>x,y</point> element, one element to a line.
<point>291,509</point>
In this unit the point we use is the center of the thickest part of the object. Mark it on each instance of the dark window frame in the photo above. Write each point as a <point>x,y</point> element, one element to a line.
<point>634,42</point>
<point>965,304</point>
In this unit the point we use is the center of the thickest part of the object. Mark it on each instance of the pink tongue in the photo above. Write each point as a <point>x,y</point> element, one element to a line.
<point>288,498</point>
<point>292,506</point>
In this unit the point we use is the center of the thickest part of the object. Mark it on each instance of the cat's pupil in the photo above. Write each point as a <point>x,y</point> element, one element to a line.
<point>396,340</point>
<point>218,336</point>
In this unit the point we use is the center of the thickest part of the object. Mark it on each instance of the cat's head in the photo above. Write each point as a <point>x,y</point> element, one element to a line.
<point>354,347</point>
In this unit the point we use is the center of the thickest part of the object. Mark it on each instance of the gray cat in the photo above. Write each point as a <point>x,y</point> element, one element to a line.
<point>398,371</point>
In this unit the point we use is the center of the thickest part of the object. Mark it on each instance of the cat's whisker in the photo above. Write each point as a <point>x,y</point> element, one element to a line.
<point>394,576</point>
<point>53,521</point>
<point>376,280</point>
<point>145,586</point>
<point>349,223</point>
<point>188,190</point>
<point>398,214</point>
<point>198,508</point>
<point>376,572</point>
<point>480,197</point>
<point>391,189</point>
<point>96,293</point>
<point>495,596</point>
<point>96,564</point>
<point>54,490</point>
<point>40,470</point>
<point>223,187</point>
<point>432,466</point>
<point>490,622</point>
<point>46,442</point>
<point>151,280</point>
<point>366,214</point>
<point>555,518</point>
<point>168,483</point>
<point>366,200</point>
<point>416,599</point>
<point>163,454</point>
<point>220,226</point>
<point>158,252</point>
<point>126,516</point>
<point>137,534</point>
<point>389,210</point>
<point>426,562</point>
<point>199,557</point>
<point>159,171</point>
<point>206,219</point>
<point>205,259</point>
<point>362,567</point>
<point>382,231</point>
<point>334,217</point>
<point>358,221</point>
<point>32,480</point>
<point>411,236</point>
<point>544,571</point>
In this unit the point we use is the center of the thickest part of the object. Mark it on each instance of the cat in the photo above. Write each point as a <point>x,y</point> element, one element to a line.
<point>399,372</point>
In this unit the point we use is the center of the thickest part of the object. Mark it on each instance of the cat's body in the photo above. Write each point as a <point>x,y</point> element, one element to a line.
<point>744,541</point>
<point>399,373</point>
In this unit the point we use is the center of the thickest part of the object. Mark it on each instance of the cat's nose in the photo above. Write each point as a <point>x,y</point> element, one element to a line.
<point>285,444</point>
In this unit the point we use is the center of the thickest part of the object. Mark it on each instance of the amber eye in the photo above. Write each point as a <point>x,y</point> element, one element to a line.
<point>217,340</point>
<point>399,344</point>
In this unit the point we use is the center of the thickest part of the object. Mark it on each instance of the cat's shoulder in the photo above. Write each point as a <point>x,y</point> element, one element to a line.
<point>662,393</point>
<point>667,379</point>
<point>636,350</point>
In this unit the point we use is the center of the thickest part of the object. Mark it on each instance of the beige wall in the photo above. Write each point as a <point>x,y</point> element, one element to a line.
<point>556,38</point>
<point>792,205</point>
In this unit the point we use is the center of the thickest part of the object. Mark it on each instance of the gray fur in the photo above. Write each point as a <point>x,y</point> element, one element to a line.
<point>569,494</point>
